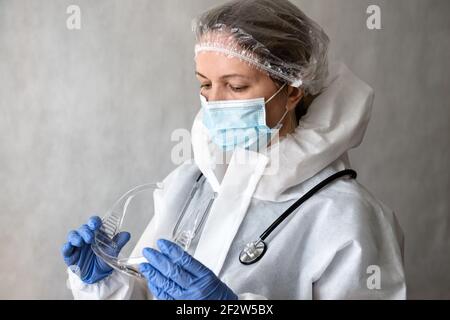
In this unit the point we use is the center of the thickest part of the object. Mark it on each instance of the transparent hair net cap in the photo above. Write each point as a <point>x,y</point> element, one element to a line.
<point>231,49</point>
<point>247,29</point>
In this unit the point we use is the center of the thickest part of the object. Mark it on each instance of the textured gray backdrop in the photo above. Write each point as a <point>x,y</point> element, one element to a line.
<point>87,114</point>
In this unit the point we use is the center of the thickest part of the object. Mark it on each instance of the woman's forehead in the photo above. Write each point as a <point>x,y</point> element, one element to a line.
<point>215,65</point>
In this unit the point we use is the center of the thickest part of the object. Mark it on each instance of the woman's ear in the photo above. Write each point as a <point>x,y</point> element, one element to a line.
<point>294,97</point>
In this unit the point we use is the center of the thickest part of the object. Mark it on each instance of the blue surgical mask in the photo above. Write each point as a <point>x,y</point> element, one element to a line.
<point>239,123</point>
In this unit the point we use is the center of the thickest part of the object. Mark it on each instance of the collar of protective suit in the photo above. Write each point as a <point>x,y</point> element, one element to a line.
<point>336,122</point>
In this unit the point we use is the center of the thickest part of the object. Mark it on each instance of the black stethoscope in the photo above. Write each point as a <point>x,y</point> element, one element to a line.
<point>255,250</point>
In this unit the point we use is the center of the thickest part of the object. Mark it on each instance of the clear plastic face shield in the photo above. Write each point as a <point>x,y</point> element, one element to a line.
<point>192,218</point>
<point>132,213</point>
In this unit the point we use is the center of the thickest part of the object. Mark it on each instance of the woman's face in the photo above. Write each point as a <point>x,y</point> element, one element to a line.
<point>223,78</point>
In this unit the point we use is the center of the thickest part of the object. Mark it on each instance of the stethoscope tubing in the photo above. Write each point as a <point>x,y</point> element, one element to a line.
<point>260,243</point>
<point>260,246</point>
<point>305,197</point>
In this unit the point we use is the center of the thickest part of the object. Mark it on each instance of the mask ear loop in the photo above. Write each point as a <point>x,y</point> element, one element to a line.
<point>275,94</point>
<point>280,123</point>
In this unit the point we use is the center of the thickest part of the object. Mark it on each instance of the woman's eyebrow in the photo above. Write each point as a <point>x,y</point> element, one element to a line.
<point>225,76</point>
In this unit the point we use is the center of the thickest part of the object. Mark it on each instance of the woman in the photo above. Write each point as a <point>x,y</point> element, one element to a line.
<point>262,66</point>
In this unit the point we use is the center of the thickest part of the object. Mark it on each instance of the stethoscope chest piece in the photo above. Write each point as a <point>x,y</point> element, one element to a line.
<point>252,252</point>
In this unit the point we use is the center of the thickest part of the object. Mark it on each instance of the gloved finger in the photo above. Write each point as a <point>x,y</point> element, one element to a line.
<point>73,259</point>
<point>170,249</point>
<point>159,281</point>
<point>70,254</point>
<point>182,258</point>
<point>121,239</point>
<point>159,293</point>
<point>75,239</point>
<point>67,249</point>
<point>167,268</point>
<point>94,223</point>
<point>86,233</point>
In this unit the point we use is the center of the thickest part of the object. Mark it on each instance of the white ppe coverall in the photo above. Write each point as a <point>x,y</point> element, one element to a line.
<point>342,243</point>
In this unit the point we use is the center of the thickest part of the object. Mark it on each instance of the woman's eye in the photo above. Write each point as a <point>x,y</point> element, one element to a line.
<point>205,86</point>
<point>238,89</point>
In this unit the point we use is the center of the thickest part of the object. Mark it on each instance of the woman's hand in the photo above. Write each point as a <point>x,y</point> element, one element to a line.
<point>173,274</point>
<point>77,251</point>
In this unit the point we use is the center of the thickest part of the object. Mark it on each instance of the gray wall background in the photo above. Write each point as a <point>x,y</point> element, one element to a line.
<point>87,114</point>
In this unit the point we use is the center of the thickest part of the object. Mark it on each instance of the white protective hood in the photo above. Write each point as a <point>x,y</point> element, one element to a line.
<point>336,122</point>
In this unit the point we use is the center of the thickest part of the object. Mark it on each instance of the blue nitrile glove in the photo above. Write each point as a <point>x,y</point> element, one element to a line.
<point>173,274</point>
<point>77,251</point>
